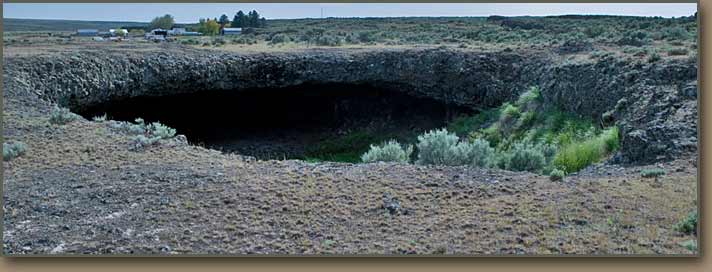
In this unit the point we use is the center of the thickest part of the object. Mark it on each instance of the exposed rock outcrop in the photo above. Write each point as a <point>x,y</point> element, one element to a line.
<point>653,103</point>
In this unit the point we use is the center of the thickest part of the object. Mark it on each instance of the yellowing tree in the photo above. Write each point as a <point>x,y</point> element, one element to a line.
<point>209,27</point>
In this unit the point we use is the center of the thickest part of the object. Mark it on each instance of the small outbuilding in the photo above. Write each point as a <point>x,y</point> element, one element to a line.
<point>177,31</point>
<point>231,31</point>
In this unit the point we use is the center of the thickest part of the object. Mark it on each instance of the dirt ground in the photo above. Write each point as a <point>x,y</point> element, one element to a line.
<point>79,189</point>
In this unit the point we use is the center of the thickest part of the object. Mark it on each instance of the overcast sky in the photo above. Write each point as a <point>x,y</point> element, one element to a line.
<point>188,13</point>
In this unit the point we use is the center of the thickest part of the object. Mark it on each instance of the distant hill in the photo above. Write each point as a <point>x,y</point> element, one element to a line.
<point>10,24</point>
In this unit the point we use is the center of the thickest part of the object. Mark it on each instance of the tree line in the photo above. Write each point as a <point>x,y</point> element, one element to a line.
<point>252,19</point>
<point>212,26</point>
<point>241,20</point>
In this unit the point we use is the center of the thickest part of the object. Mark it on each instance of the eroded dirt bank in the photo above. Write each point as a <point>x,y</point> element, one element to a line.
<point>79,189</point>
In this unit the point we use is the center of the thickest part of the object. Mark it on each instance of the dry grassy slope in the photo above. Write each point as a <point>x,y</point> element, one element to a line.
<point>80,190</point>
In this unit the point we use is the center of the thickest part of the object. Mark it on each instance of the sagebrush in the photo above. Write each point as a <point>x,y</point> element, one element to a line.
<point>390,151</point>
<point>13,150</point>
<point>61,116</point>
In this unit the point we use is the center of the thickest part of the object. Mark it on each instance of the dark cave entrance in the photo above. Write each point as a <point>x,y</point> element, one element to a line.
<point>324,122</point>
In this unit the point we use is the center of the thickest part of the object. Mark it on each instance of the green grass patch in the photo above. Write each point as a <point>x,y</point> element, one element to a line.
<point>579,154</point>
<point>509,111</point>
<point>346,148</point>
<point>531,95</point>
<point>463,125</point>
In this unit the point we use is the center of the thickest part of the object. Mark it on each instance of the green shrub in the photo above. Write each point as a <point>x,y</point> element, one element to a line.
<point>557,175</point>
<point>61,116</point>
<point>482,153</point>
<point>218,42</point>
<point>654,57</point>
<point>527,118</point>
<point>524,156</point>
<point>636,38</point>
<point>144,135</point>
<point>161,131</point>
<point>328,40</point>
<point>594,31</point>
<point>492,134</point>
<point>142,141</point>
<point>434,147</point>
<point>13,150</point>
<point>366,37</point>
<point>279,38</point>
<point>441,147</point>
<point>390,151</point>
<point>677,52</point>
<point>533,94</point>
<point>134,129</point>
<point>675,33</point>
<point>688,225</point>
<point>651,173</point>
<point>510,111</point>
<point>690,245</point>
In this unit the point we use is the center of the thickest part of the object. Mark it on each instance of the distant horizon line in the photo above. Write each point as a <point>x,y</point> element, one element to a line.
<point>372,17</point>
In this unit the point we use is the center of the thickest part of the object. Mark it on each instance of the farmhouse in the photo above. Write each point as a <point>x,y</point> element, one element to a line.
<point>87,32</point>
<point>231,31</point>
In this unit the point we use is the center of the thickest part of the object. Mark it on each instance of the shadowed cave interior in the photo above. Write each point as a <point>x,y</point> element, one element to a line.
<point>300,122</point>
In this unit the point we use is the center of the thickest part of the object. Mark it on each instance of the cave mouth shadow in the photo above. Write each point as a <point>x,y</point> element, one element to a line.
<point>285,123</point>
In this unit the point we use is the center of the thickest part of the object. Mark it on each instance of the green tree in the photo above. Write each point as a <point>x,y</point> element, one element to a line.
<point>239,19</point>
<point>209,27</point>
<point>224,20</point>
<point>253,19</point>
<point>165,22</point>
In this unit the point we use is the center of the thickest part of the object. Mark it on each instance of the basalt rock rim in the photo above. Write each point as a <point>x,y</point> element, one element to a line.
<point>654,104</point>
